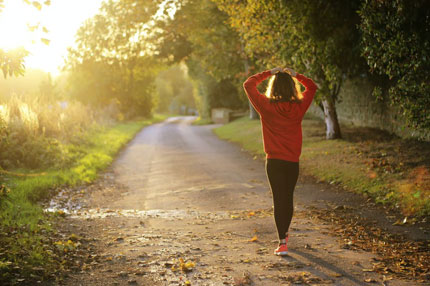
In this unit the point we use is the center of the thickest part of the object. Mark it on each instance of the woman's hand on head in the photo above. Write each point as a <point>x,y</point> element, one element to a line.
<point>287,70</point>
<point>290,71</point>
<point>276,70</point>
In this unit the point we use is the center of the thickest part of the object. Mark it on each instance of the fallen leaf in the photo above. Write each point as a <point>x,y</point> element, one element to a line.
<point>122,274</point>
<point>244,280</point>
<point>336,275</point>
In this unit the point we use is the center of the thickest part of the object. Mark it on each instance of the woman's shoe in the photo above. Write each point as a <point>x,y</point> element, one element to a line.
<point>281,250</point>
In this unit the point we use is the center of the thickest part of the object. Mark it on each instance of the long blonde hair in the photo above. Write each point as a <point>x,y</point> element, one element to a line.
<point>283,88</point>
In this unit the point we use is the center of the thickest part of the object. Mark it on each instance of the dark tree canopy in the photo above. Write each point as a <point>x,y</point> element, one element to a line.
<point>318,38</point>
<point>396,43</point>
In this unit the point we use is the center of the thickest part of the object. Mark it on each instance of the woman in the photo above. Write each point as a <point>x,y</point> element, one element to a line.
<point>281,112</point>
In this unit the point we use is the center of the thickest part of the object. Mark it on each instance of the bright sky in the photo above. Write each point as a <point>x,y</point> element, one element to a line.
<point>62,18</point>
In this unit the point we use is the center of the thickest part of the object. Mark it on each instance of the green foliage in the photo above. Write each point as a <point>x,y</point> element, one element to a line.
<point>129,87</point>
<point>32,153</point>
<point>47,89</point>
<point>28,84</point>
<point>113,63</point>
<point>213,93</point>
<point>202,121</point>
<point>12,62</point>
<point>212,51</point>
<point>318,38</point>
<point>205,37</point>
<point>396,43</point>
<point>174,89</point>
<point>26,246</point>
<point>4,195</point>
<point>33,131</point>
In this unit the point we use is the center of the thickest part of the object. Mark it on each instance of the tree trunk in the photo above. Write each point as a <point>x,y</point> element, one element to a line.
<point>330,118</point>
<point>253,114</point>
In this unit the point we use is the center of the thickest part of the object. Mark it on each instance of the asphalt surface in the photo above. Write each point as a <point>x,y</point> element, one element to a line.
<point>175,165</point>
<point>178,192</point>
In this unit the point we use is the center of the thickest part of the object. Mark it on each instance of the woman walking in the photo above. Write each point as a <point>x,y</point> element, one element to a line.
<point>281,112</point>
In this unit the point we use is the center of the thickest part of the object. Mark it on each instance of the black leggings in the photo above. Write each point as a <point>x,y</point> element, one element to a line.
<point>282,177</point>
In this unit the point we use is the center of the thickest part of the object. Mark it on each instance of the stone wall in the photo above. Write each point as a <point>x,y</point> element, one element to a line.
<point>359,107</point>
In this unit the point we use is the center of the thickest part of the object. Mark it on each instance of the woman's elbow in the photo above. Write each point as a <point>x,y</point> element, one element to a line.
<point>247,85</point>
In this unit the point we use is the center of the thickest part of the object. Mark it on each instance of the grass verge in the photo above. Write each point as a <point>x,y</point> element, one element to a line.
<point>28,250</point>
<point>390,170</point>
<point>202,121</point>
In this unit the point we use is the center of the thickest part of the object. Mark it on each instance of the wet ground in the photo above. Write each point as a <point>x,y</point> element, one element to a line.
<point>181,207</point>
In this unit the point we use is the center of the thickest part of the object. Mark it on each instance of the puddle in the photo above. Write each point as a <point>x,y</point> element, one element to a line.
<point>101,213</point>
<point>62,202</point>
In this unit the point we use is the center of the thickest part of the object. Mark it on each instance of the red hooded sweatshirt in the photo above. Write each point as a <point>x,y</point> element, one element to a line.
<point>281,121</point>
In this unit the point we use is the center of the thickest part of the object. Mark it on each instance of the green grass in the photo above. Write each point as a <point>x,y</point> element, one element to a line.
<point>202,121</point>
<point>245,132</point>
<point>25,227</point>
<point>367,161</point>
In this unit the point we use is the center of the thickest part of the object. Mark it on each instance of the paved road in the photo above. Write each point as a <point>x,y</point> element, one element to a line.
<point>178,192</point>
<point>175,165</point>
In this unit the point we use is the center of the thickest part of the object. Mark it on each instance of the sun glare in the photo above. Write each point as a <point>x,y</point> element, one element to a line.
<point>13,30</point>
<point>61,19</point>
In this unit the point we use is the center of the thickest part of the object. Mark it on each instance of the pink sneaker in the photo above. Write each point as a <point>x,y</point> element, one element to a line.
<point>281,250</point>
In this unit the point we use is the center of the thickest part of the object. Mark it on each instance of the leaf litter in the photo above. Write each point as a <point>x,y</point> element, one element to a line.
<point>185,267</point>
<point>397,256</point>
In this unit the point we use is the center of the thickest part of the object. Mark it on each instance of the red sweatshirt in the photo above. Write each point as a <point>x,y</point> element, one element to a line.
<point>281,121</point>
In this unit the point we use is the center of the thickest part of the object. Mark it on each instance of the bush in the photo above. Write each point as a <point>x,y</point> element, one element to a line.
<point>35,134</point>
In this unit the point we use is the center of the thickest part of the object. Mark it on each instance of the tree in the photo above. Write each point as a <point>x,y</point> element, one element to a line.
<point>396,43</point>
<point>47,89</point>
<point>112,61</point>
<point>319,38</point>
<point>198,34</point>
<point>173,85</point>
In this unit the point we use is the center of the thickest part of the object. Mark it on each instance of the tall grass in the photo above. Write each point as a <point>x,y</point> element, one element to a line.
<point>43,145</point>
<point>32,130</point>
